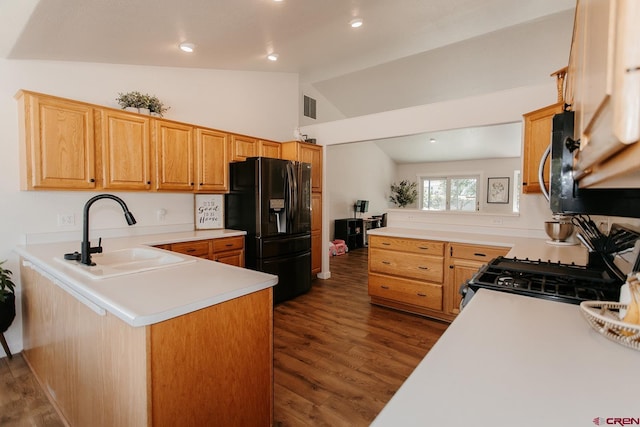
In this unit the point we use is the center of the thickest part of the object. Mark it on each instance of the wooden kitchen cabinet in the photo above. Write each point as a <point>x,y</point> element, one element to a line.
<point>270,149</point>
<point>124,139</point>
<point>537,137</point>
<point>213,366</point>
<point>227,250</point>
<point>212,161</point>
<point>603,68</point>
<point>306,153</point>
<point>408,274</point>
<point>57,149</point>
<point>174,156</point>
<point>463,261</point>
<point>243,147</point>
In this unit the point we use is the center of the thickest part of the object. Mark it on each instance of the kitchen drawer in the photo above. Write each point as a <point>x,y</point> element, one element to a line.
<point>475,252</point>
<point>427,295</point>
<point>415,266</point>
<point>228,244</point>
<point>428,247</point>
<point>199,248</point>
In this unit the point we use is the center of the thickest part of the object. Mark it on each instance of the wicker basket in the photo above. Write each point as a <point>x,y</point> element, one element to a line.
<point>603,316</point>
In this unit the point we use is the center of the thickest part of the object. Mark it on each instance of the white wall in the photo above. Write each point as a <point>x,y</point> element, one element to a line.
<point>359,171</point>
<point>257,104</point>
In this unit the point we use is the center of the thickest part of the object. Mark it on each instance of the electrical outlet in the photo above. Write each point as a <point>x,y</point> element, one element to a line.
<point>65,220</point>
<point>496,221</point>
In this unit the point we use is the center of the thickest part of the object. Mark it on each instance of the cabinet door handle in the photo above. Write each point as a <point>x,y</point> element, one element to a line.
<point>479,254</point>
<point>229,245</point>
<point>384,287</point>
<point>421,295</point>
<point>423,247</point>
<point>423,268</point>
<point>191,250</point>
<point>451,266</point>
<point>386,243</point>
<point>386,262</point>
<point>92,180</point>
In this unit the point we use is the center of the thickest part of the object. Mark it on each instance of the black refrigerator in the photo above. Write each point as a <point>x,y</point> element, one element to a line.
<point>270,199</point>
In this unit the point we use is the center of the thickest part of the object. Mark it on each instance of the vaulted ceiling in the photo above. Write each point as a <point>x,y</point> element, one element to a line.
<point>406,53</point>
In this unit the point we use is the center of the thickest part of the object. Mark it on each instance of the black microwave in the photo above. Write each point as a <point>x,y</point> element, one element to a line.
<point>565,194</point>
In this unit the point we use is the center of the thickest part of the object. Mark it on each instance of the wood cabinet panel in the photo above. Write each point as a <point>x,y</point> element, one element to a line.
<point>213,366</point>
<point>537,137</point>
<point>427,247</point>
<point>404,264</point>
<point>199,248</point>
<point>93,368</point>
<point>476,252</point>
<point>270,149</point>
<point>57,149</point>
<point>126,151</point>
<point>463,261</point>
<point>243,147</point>
<point>219,370</point>
<point>306,153</point>
<point>228,244</point>
<point>230,257</point>
<point>422,294</point>
<point>174,150</point>
<point>212,160</point>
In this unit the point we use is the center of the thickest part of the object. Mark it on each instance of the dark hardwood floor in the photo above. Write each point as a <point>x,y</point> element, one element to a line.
<point>337,359</point>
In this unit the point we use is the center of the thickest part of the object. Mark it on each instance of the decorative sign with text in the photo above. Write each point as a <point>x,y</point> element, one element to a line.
<point>209,210</point>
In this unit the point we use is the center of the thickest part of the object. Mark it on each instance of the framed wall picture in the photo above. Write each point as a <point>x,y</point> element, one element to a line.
<point>209,211</point>
<point>498,190</point>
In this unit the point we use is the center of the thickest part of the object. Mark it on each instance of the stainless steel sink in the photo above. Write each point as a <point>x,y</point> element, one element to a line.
<point>126,261</point>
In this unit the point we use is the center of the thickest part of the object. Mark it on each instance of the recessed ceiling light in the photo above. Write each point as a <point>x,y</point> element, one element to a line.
<point>187,47</point>
<point>272,57</point>
<point>355,23</point>
<point>432,140</point>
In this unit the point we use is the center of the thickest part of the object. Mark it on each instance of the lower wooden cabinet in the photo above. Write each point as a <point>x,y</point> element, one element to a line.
<point>227,250</point>
<point>464,260</point>
<point>410,274</point>
<point>213,366</point>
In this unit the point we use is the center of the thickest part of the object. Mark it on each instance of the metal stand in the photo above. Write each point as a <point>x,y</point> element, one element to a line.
<point>5,346</point>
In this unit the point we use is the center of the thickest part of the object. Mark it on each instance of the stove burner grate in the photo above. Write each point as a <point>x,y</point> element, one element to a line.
<point>562,282</point>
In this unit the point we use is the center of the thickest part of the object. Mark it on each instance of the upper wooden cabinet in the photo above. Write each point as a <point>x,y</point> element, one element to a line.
<point>270,149</point>
<point>212,160</point>
<point>307,153</point>
<point>126,153</point>
<point>174,150</point>
<point>57,148</point>
<point>243,147</point>
<point>604,72</point>
<point>537,137</point>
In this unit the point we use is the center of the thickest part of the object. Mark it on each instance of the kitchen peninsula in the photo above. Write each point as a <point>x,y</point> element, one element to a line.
<point>516,360</point>
<point>187,344</point>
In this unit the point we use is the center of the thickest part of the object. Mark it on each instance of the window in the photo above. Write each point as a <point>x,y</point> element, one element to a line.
<point>449,193</point>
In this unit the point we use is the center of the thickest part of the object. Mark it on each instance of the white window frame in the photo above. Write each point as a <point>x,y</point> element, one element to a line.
<point>448,177</point>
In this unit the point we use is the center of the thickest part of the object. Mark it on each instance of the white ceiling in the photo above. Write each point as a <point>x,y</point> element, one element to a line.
<point>359,71</point>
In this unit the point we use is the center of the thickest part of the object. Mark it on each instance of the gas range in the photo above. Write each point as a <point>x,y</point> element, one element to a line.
<point>567,283</point>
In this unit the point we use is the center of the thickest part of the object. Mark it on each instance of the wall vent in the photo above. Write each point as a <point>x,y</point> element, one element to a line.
<point>309,107</point>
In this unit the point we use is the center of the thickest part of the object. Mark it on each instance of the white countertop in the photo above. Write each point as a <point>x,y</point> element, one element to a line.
<point>510,360</point>
<point>521,247</point>
<point>152,296</point>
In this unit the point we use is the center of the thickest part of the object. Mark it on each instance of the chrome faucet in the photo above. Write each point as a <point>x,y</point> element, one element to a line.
<point>85,248</point>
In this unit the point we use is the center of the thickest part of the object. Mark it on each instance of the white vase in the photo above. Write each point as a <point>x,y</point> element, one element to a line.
<point>132,109</point>
<point>144,111</point>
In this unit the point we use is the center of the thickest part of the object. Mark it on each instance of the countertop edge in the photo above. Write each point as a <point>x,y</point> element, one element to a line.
<point>81,289</point>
